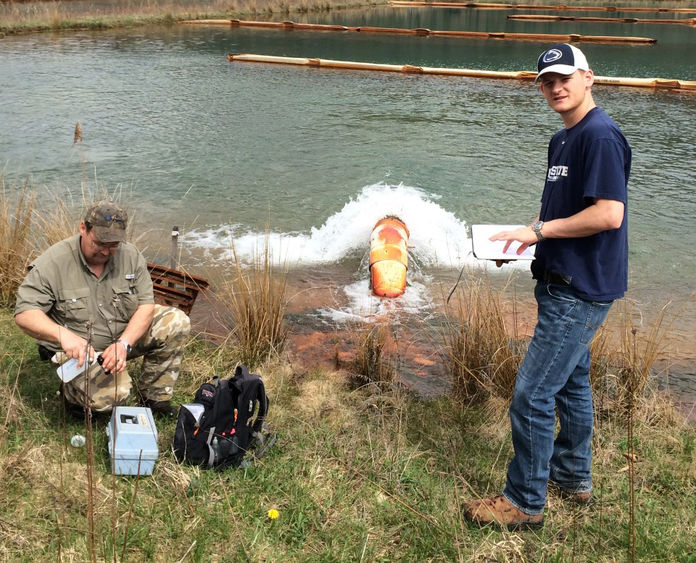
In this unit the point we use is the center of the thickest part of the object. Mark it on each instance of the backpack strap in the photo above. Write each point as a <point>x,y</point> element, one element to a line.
<point>250,387</point>
<point>211,451</point>
<point>263,406</point>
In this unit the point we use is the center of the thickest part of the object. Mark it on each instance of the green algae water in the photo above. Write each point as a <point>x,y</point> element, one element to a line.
<point>233,151</point>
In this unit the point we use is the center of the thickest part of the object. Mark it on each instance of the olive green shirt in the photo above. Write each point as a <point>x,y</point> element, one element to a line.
<point>61,284</point>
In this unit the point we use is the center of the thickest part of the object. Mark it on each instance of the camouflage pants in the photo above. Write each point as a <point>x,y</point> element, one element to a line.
<point>162,349</point>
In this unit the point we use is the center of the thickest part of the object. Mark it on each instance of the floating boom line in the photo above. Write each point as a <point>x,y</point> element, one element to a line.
<point>541,17</point>
<point>554,7</point>
<point>655,83</point>
<point>424,32</point>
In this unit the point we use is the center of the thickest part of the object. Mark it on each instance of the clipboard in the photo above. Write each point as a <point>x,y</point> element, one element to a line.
<point>485,249</point>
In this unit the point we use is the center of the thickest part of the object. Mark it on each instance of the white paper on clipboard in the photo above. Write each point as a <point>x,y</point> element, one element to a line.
<point>485,249</point>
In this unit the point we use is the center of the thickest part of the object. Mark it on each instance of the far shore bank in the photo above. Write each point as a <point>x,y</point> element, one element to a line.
<point>18,17</point>
<point>33,17</point>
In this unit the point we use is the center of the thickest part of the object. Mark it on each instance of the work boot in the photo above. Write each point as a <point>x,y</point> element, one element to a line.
<point>164,408</point>
<point>499,512</point>
<point>578,497</point>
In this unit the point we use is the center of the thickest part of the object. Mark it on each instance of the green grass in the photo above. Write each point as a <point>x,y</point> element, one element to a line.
<point>373,475</point>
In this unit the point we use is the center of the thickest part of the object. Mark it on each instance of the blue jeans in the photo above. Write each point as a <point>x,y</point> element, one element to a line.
<point>555,373</point>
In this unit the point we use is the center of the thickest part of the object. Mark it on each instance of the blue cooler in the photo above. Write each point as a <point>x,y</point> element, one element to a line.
<point>132,438</point>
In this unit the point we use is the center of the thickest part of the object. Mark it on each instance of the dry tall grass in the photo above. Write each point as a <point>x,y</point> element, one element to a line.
<point>637,359</point>
<point>483,355</point>
<point>16,250</point>
<point>373,362</point>
<point>602,377</point>
<point>255,300</point>
<point>55,221</point>
<point>481,352</point>
<point>30,16</point>
<point>638,354</point>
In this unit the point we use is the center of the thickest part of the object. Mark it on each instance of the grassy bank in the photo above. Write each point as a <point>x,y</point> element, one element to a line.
<point>357,474</point>
<point>362,469</point>
<point>24,17</point>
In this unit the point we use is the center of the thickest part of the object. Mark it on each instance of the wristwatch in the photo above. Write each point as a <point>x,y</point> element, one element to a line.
<point>126,345</point>
<point>536,227</point>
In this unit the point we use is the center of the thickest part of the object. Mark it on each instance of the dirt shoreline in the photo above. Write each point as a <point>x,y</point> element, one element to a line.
<point>313,343</point>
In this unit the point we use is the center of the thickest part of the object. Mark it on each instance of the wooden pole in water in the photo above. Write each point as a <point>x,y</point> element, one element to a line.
<point>555,7</point>
<point>656,83</point>
<point>423,32</point>
<point>175,248</point>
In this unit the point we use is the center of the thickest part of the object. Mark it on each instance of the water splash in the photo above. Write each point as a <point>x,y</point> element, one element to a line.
<point>363,306</point>
<point>438,237</point>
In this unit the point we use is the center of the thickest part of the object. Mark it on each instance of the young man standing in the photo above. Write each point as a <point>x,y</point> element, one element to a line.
<point>581,266</point>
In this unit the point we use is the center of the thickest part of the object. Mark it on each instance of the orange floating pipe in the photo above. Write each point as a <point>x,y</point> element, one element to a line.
<point>552,7</point>
<point>424,32</point>
<point>656,83</point>
<point>546,18</point>
<point>388,257</point>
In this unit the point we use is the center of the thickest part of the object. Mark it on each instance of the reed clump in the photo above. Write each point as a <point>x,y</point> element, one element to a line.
<point>374,360</point>
<point>16,250</point>
<point>56,220</point>
<point>481,351</point>
<point>26,230</point>
<point>639,351</point>
<point>255,300</point>
<point>624,354</point>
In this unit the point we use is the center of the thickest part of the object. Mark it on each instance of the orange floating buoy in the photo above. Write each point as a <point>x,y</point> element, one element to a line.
<point>389,257</point>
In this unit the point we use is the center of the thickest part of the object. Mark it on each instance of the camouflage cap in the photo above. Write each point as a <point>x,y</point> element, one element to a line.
<point>108,221</point>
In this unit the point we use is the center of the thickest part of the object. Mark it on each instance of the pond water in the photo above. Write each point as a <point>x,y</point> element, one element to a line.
<point>233,151</point>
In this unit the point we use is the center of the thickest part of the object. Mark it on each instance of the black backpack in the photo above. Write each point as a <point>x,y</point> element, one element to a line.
<point>217,428</point>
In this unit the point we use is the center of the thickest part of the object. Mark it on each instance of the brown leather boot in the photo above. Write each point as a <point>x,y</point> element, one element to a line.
<point>581,498</point>
<point>499,512</point>
<point>584,497</point>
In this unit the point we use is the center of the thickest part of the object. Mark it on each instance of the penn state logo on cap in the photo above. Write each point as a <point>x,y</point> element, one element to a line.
<point>562,59</point>
<point>552,55</point>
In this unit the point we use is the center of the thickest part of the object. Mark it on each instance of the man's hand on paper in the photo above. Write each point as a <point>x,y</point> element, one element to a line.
<point>524,235</point>
<point>487,245</point>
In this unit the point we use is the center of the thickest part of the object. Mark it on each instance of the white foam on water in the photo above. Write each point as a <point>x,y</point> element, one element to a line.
<point>437,236</point>
<point>362,305</point>
<point>437,239</point>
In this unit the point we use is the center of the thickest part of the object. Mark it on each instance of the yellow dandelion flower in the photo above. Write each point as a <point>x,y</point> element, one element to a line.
<point>273,514</point>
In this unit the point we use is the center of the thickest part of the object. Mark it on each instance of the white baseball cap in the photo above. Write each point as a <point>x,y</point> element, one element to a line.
<point>562,58</point>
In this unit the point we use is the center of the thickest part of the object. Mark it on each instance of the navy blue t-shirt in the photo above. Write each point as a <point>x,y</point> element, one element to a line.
<point>591,160</point>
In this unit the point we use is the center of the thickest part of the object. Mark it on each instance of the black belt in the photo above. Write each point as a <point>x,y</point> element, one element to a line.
<point>557,279</point>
